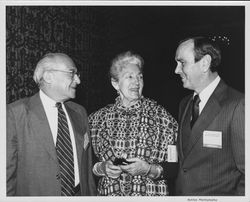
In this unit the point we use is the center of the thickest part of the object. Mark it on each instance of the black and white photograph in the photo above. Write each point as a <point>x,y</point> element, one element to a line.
<point>124,98</point>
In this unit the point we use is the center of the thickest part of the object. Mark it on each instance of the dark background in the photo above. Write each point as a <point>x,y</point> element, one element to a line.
<point>93,35</point>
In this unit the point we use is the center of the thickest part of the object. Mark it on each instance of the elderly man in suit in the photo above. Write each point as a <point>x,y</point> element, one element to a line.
<point>48,146</point>
<point>211,125</point>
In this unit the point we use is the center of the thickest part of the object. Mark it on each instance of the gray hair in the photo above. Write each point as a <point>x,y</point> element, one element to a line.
<point>122,60</point>
<point>47,62</point>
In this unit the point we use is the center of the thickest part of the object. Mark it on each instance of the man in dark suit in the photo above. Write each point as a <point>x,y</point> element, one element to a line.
<point>48,145</point>
<point>212,128</point>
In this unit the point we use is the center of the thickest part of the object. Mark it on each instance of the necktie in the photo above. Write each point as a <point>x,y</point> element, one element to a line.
<point>65,154</point>
<point>195,109</point>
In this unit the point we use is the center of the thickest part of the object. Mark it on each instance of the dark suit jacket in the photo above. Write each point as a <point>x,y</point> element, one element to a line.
<point>32,165</point>
<point>214,171</point>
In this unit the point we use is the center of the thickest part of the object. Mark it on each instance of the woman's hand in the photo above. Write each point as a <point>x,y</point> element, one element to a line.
<point>111,170</point>
<point>137,167</point>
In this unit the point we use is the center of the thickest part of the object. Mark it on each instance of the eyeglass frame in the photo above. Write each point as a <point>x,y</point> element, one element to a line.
<point>72,72</point>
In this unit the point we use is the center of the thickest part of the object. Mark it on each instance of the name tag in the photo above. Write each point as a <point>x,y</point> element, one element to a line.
<point>86,141</point>
<point>212,139</point>
<point>172,153</point>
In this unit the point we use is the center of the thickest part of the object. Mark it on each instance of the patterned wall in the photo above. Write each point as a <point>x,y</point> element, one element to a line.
<point>93,35</point>
<point>80,32</point>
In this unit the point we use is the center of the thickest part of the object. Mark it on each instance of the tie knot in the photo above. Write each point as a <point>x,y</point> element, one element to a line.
<point>197,99</point>
<point>59,105</point>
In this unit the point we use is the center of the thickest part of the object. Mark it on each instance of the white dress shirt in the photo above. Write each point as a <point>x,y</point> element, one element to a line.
<point>52,116</point>
<point>207,92</point>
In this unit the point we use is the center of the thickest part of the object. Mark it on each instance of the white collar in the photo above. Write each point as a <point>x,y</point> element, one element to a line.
<point>46,100</point>
<point>207,92</point>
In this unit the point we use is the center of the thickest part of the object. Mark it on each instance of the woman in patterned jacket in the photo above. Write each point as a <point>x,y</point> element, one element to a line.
<point>132,138</point>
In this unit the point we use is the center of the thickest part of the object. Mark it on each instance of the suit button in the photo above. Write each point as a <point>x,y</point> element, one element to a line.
<point>184,170</point>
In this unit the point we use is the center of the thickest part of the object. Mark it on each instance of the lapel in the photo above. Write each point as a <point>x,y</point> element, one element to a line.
<point>41,129</point>
<point>210,111</point>
<point>40,125</point>
<point>78,130</point>
<point>183,111</point>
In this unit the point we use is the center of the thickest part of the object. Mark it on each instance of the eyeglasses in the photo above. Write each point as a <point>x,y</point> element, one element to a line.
<point>72,72</point>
